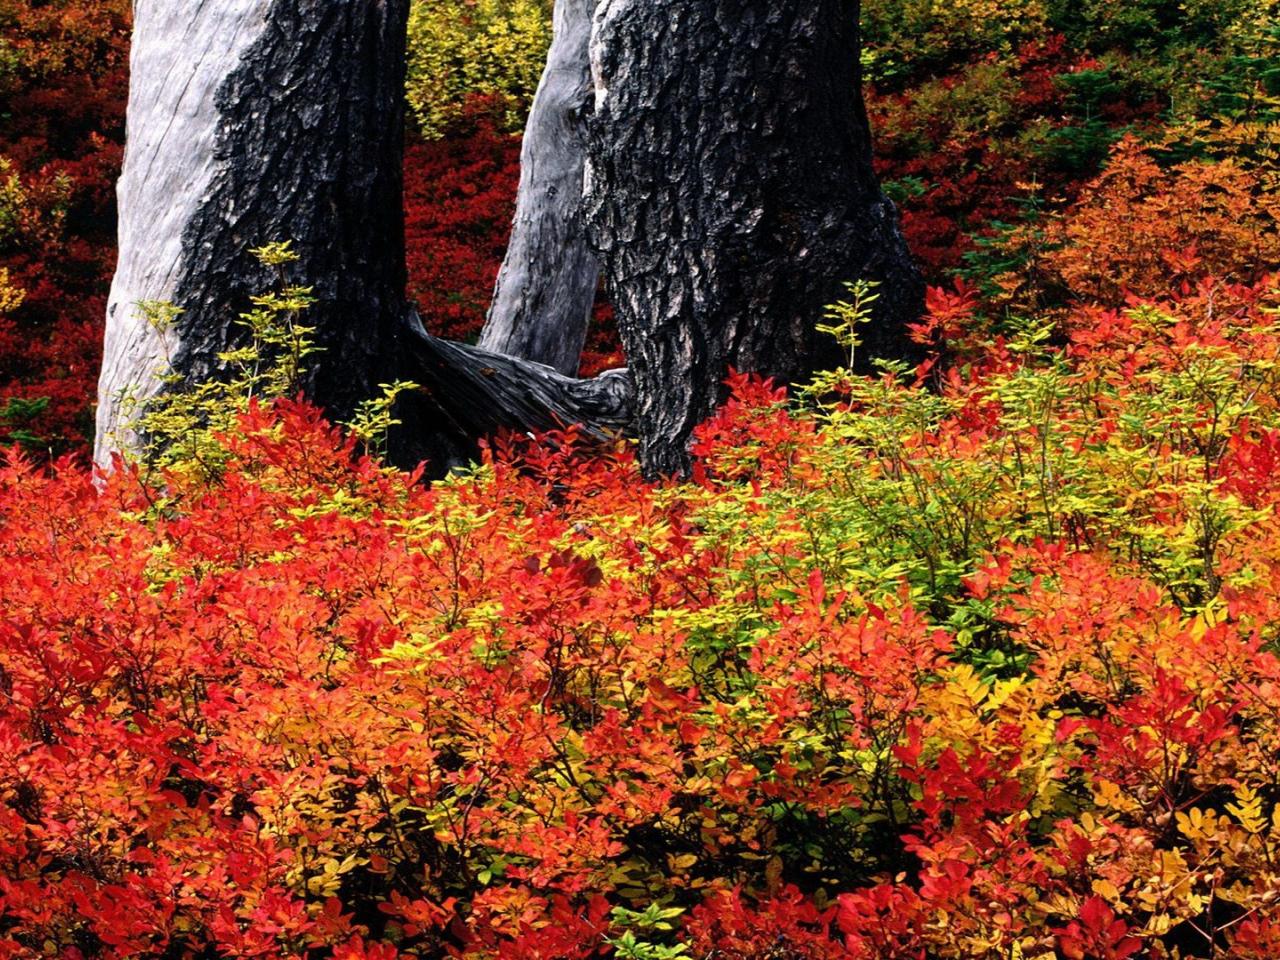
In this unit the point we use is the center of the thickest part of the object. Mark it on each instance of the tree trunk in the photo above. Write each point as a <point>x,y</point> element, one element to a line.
<point>730,192</point>
<point>544,294</point>
<point>250,122</point>
<point>255,121</point>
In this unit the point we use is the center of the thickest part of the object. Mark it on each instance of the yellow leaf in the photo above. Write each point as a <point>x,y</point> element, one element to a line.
<point>1248,809</point>
<point>1107,890</point>
<point>773,872</point>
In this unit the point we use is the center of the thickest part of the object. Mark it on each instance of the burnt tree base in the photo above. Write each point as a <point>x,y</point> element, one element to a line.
<point>730,195</point>
<point>726,188</point>
<point>254,122</point>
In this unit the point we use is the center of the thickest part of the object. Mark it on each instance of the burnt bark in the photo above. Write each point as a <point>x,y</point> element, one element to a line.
<point>310,150</point>
<point>256,121</point>
<point>730,193</point>
<point>543,298</point>
<point>252,122</point>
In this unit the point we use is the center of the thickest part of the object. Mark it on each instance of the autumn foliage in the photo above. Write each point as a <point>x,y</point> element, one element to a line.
<point>976,659</point>
<point>548,710</point>
<point>63,83</point>
<point>979,671</point>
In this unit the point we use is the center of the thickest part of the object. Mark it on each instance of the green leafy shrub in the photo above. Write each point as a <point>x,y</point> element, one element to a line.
<point>982,99</point>
<point>1151,23</point>
<point>32,208</point>
<point>1207,58</point>
<point>9,64</point>
<point>183,428</point>
<point>16,416</point>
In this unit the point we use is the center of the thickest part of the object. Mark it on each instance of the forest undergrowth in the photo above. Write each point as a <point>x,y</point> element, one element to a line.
<point>973,659</point>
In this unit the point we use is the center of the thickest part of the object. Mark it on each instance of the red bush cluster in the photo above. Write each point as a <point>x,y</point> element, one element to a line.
<point>459,200</point>
<point>984,671</point>
<point>62,130</point>
<point>314,708</point>
<point>962,149</point>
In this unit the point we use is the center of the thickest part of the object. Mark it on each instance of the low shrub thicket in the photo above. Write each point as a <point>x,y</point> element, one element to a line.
<point>987,669</point>
<point>984,670</point>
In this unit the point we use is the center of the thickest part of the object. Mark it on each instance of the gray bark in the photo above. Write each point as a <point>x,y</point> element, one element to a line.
<point>181,55</point>
<point>730,193</point>
<point>472,393</point>
<point>250,122</point>
<point>311,150</point>
<point>543,298</point>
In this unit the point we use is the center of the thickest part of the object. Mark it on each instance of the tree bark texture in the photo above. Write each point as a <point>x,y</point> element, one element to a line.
<point>730,193</point>
<point>250,122</point>
<point>543,298</point>
<point>470,393</point>
<point>255,121</point>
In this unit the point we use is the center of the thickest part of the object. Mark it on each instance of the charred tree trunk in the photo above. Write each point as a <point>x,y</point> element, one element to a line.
<point>482,393</point>
<point>730,193</point>
<point>544,295</point>
<point>256,121</point>
<point>250,122</point>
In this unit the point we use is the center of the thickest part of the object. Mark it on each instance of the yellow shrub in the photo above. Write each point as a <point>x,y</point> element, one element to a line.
<point>11,295</point>
<point>464,48</point>
<point>32,209</point>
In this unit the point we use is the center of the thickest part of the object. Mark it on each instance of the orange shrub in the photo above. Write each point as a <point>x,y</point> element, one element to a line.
<point>1141,229</point>
<point>911,675</point>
